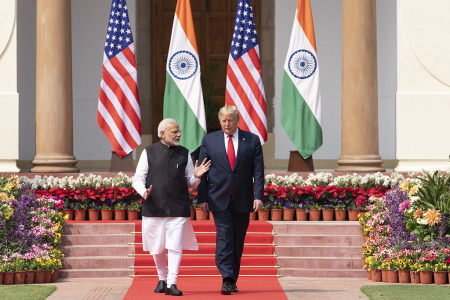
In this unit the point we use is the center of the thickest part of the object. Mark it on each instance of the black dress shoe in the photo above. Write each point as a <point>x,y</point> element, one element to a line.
<point>161,286</point>
<point>234,288</point>
<point>226,287</point>
<point>173,290</point>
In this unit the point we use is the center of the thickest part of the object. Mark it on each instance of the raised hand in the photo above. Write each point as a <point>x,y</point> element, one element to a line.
<point>202,169</point>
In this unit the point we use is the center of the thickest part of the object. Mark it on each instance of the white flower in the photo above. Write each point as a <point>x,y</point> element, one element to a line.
<point>422,221</point>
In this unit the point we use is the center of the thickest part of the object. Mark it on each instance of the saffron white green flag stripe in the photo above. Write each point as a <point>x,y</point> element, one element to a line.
<point>300,92</point>
<point>183,97</point>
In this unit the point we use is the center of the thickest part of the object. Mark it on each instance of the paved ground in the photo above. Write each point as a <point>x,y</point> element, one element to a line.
<point>295,288</point>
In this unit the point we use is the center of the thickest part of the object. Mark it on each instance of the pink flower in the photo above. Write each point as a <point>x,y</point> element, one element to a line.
<point>447,261</point>
<point>404,205</point>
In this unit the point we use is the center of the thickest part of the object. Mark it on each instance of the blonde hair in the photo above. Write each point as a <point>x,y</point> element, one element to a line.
<point>229,110</point>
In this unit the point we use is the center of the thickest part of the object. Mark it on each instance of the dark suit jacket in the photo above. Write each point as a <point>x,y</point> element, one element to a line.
<point>246,180</point>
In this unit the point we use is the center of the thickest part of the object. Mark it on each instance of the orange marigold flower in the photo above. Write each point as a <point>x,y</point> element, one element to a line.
<point>433,217</point>
<point>418,213</point>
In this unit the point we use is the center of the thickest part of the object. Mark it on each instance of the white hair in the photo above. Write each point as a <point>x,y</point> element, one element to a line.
<point>163,125</point>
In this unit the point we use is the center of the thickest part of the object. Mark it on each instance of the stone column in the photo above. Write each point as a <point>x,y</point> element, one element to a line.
<point>54,111</point>
<point>359,125</point>
<point>9,98</point>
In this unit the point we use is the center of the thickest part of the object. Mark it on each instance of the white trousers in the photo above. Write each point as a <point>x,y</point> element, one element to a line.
<point>168,274</point>
<point>174,234</point>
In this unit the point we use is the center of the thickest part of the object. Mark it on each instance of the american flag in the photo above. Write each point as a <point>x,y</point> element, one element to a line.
<point>119,114</point>
<point>244,88</point>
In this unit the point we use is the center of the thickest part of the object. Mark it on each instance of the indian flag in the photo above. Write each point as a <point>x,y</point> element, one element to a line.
<point>183,97</point>
<point>300,92</point>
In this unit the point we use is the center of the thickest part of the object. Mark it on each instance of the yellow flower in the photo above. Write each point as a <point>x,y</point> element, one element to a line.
<point>404,185</point>
<point>432,216</point>
<point>418,213</point>
<point>413,190</point>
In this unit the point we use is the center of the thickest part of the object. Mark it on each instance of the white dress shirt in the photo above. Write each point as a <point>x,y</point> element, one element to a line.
<point>234,139</point>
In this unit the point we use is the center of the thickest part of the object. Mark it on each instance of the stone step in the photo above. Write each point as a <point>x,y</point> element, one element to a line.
<point>316,227</point>
<point>95,273</point>
<point>333,263</point>
<point>342,273</point>
<point>95,262</point>
<point>314,240</point>
<point>319,251</point>
<point>98,228</point>
<point>98,239</point>
<point>97,250</point>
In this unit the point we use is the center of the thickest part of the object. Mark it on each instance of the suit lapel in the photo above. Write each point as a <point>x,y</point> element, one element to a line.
<point>241,147</point>
<point>221,141</point>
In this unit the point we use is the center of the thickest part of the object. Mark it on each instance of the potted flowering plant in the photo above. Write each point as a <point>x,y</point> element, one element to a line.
<point>276,209</point>
<point>288,211</point>
<point>133,209</point>
<point>340,210</point>
<point>314,211</point>
<point>119,210</point>
<point>80,207</point>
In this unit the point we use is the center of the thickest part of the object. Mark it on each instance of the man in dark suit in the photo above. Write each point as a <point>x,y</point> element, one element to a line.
<point>232,188</point>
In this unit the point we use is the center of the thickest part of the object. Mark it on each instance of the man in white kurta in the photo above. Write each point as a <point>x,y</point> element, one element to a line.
<point>164,171</point>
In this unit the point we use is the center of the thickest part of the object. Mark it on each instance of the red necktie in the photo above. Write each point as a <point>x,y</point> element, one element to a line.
<point>230,152</point>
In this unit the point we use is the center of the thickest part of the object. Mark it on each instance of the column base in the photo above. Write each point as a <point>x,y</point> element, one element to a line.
<point>8,166</point>
<point>360,163</point>
<point>420,165</point>
<point>54,164</point>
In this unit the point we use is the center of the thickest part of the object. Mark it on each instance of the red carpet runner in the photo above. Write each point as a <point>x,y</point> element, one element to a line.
<point>199,277</point>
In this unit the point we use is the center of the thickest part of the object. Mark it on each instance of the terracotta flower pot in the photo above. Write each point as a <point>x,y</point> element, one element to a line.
<point>328,214</point>
<point>301,214</point>
<point>288,214</point>
<point>200,215</point>
<point>211,217</point>
<point>1,278</point>
<point>93,214</point>
<point>47,276</point>
<point>119,214</point>
<point>132,214</point>
<point>107,214</point>
<point>19,277</point>
<point>314,214</point>
<point>404,276</point>
<point>263,214</point>
<point>192,214</point>
<point>363,261</point>
<point>8,278</point>
<point>353,214</point>
<point>55,275</point>
<point>369,275</point>
<point>29,277</point>
<point>68,212</point>
<point>253,215</point>
<point>340,214</point>
<point>80,214</point>
<point>376,275</point>
<point>426,277</point>
<point>440,277</point>
<point>392,276</point>
<point>276,214</point>
<point>415,277</point>
<point>39,277</point>
<point>384,275</point>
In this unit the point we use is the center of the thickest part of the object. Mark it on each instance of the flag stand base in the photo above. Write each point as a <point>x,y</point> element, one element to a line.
<point>125,164</point>
<point>298,164</point>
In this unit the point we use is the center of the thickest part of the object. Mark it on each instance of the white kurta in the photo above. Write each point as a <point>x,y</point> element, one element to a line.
<point>158,234</point>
